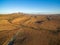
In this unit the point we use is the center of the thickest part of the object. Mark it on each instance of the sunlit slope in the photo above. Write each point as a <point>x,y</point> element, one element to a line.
<point>6,21</point>
<point>6,25</point>
<point>20,20</point>
<point>36,29</point>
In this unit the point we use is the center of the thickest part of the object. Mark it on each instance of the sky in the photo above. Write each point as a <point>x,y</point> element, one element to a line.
<point>30,6</point>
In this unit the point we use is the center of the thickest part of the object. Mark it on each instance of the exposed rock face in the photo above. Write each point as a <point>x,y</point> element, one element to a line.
<point>23,29</point>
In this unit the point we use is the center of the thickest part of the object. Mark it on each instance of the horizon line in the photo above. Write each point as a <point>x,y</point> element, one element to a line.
<point>32,13</point>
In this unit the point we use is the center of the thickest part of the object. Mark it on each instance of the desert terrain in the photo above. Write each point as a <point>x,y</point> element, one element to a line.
<point>29,29</point>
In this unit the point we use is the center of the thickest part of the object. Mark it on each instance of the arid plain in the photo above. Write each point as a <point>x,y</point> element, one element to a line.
<point>29,29</point>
